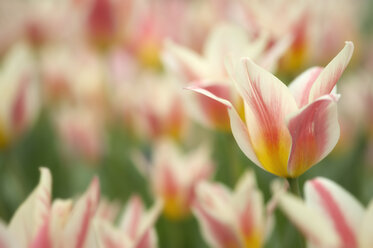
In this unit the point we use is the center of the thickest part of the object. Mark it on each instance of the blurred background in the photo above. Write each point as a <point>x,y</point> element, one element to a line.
<point>95,87</point>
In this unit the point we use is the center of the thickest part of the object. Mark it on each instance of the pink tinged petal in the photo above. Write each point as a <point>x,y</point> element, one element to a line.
<point>239,129</point>
<point>270,58</point>
<point>216,215</point>
<point>249,207</point>
<point>301,86</point>
<point>366,230</point>
<point>337,206</point>
<point>267,102</point>
<point>28,223</point>
<point>188,63</point>
<point>328,78</point>
<point>146,237</point>
<point>42,239</point>
<point>79,223</point>
<point>100,20</point>
<point>110,237</point>
<point>215,112</point>
<point>216,233</point>
<point>314,227</point>
<point>314,131</point>
<point>19,106</point>
<point>148,240</point>
<point>130,222</point>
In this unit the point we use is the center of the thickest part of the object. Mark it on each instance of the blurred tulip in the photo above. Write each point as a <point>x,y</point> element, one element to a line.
<point>333,22</point>
<point>104,21</point>
<point>39,22</point>
<point>207,70</point>
<point>18,93</point>
<point>232,219</point>
<point>38,223</point>
<point>295,18</point>
<point>287,130</point>
<point>330,216</point>
<point>174,176</point>
<point>150,25</point>
<point>158,108</point>
<point>81,131</point>
<point>74,74</point>
<point>135,229</point>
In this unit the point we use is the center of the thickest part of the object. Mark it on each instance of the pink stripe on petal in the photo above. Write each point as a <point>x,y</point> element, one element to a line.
<point>145,241</point>
<point>301,86</point>
<point>315,132</point>
<point>215,111</point>
<point>135,214</point>
<point>346,234</point>
<point>268,101</point>
<point>91,204</point>
<point>239,129</point>
<point>217,233</point>
<point>20,105</point>
<point>328,78</point>
<point>31,216</point>
<point>42,239</point>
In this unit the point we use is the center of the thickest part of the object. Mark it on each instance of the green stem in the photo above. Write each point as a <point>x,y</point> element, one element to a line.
<point>294,188</point>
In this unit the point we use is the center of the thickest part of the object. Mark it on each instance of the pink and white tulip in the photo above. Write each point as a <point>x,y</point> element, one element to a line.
<point>81,132</point>
<point>207,70</point>
<point>174,176</point>
<point>135,229</point>
<point>41,223</point>
<point>19,93</point>
<point>330,217</point>
<point>287,129</point>
<point>232,219</point>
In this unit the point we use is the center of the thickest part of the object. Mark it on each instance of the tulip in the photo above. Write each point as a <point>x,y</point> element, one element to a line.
<point>295,20</point>
<point>105,20</point>
<point>135,229</point>
<point>39,223</point>
<point>73,74</point>
<point>287,129</point>
<point>18,93</point>
<point>174,176</point>
<point>158,109</point>
<point>207,70</point>
<point>232,219</point>
<point>81,132</point>
<point>330,217</point>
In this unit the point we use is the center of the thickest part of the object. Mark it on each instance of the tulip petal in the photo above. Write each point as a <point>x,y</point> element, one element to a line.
<point>215,216</point>
<point>146,236</point>
<point>249,207</point>
<point>7,240</point>
<point>109,237</point>
<point>131,219</point>
<point>79,223</point>
<point>224,40</point>
<point>301,85</point>
<point>191,65</point>
<point>31,217</point>
<point>239,129</point>
<point>337,206</point>
<point>315,131</point>
<point>60,212</point>
<point>328,78</point>
<point>267,102</point>
<point>366,231</point>
<point>215,112</point>
<point>313,226</point>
